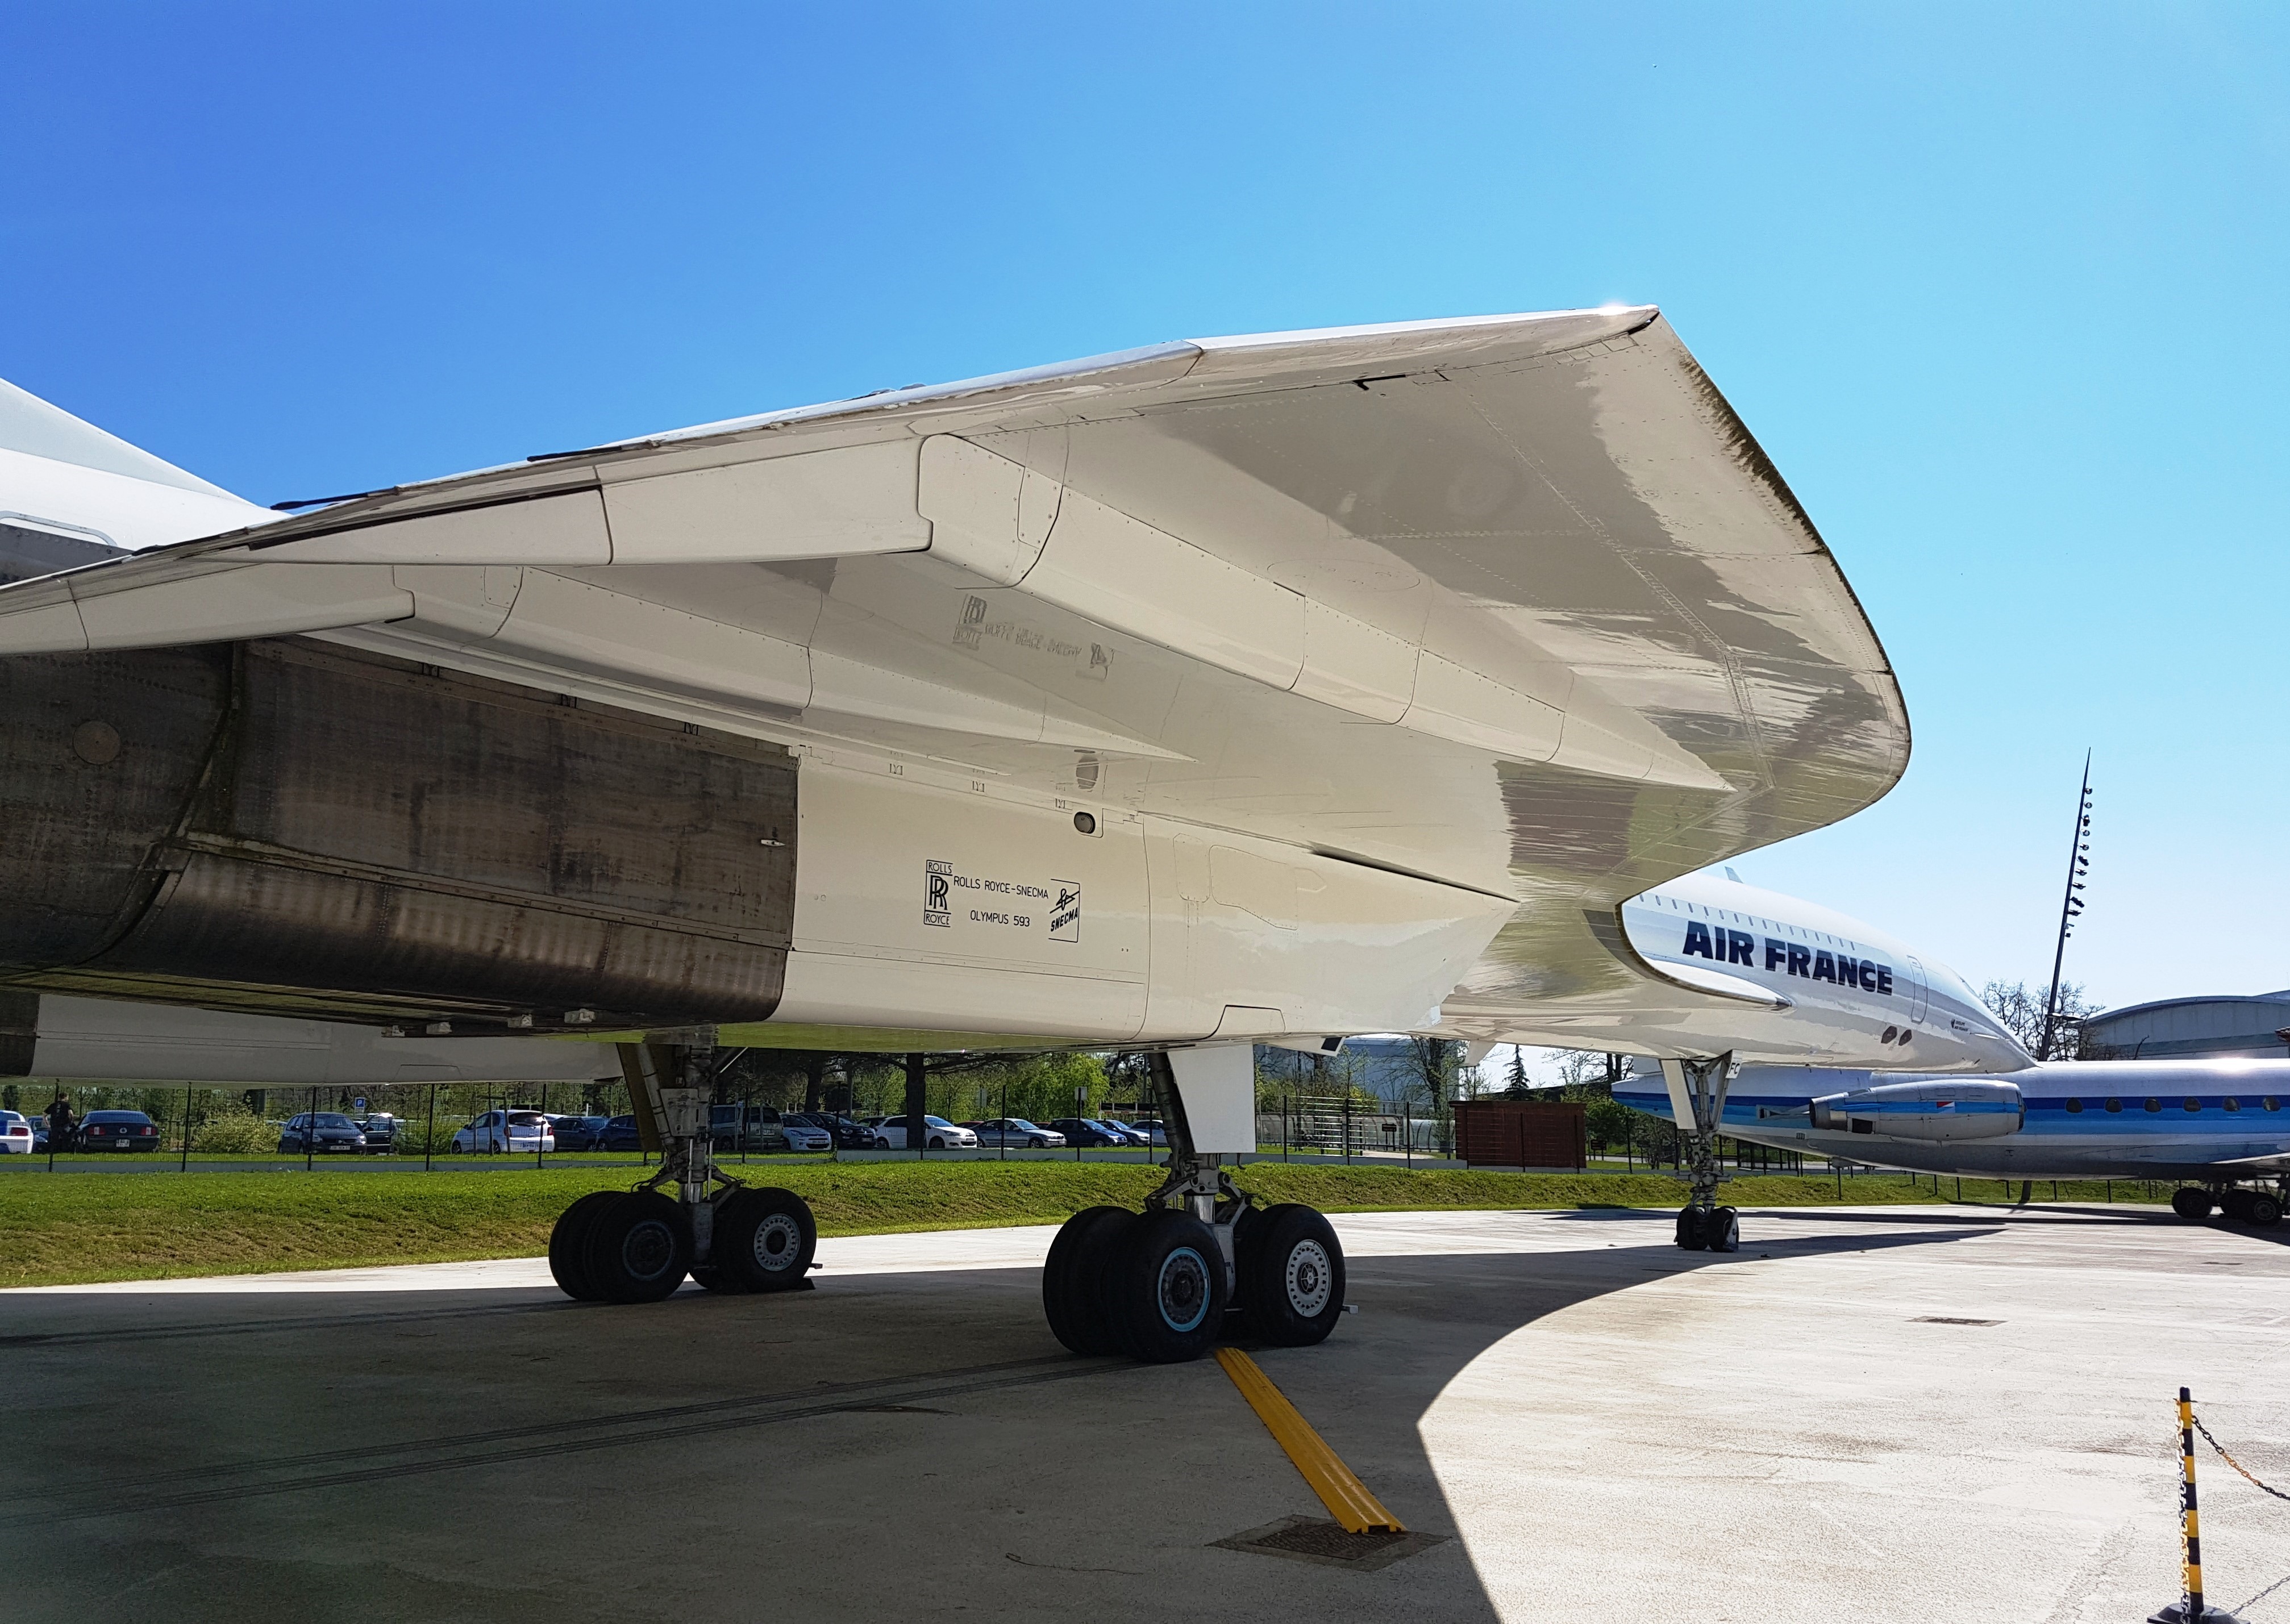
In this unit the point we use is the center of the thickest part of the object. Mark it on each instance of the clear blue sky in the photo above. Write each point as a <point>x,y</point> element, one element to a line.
<point>1998,287</point>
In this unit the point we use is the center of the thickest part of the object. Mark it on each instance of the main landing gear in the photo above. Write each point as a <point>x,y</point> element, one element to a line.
<point>1697,1094</point>
<point>1164,1284</point>
<point>690,1218</point>
<point>2261,1208</point>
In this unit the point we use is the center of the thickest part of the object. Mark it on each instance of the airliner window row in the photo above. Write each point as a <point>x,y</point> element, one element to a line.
<point>2191,1103</point>
<point>1817,937</point>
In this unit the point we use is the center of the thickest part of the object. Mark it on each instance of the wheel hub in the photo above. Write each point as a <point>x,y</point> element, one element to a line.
<point>1308,1278</point>
<point>648,1250</point>
<point>1183,1289</point>
<point>777,1242</point>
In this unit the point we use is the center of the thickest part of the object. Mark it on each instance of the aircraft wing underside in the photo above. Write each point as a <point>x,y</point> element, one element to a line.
<point>1517,604</point>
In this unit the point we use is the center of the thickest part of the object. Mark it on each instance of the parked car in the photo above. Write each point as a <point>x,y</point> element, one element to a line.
<point>849,1133</point>
<point>1133,1134</point>
<point>16,1135</point>
<point>115,1131</point>
<point>619,1134</point>
<point>318,1134</point>
<point>527,1130</point>
<point>381,1131</point>
<point>1088,1130</point>
<point>1155,1132</point>
<point>1017,1131</point>
<point>759,1132</point>
<point>891,1134</point>
<point>803,1133</point>
<point>581,1132</point>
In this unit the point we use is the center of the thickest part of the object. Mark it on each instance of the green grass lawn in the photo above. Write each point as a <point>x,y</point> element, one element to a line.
<point>64,1228</point>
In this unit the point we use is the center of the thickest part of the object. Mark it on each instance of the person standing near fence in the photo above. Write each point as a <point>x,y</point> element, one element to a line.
<point>60,1124</point>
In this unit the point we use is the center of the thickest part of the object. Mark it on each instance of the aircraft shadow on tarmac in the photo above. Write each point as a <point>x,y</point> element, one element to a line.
<point>464,1396</point>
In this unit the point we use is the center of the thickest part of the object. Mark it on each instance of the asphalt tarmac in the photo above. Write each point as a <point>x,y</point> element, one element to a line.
<point>1910,1415</point>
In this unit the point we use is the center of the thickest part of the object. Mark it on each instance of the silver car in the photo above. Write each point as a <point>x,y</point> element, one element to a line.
<point>1018,1132</point>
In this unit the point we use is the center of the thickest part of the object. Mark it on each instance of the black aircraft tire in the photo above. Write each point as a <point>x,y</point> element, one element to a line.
<point>568,1247</point>
<point>1721,1231</point>
<point>1167,1290</point>
<point>637,1248</point>
<point>709,1278</point>
<point>1073,1292</point>
<point>766,1239</point>
<point>1691,1235</point>
<point>1293,1276</point>
<point>2190,1203</point>
<point>2236,1204</point>
<point>2261,1210</point>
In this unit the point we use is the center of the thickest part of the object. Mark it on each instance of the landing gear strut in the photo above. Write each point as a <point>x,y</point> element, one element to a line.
<point>2260,1208</point>
<point>1160,1285</point>
<point>690,1217</point>
<point>1697,1094</point>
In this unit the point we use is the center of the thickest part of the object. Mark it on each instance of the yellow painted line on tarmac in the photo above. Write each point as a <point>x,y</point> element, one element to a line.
<point>1345,1496</point>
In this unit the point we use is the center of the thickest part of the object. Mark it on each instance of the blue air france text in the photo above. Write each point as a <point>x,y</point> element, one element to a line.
<point>1730,946</point>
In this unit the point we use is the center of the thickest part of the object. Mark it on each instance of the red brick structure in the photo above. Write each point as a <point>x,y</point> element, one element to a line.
<point>1521,1133</point>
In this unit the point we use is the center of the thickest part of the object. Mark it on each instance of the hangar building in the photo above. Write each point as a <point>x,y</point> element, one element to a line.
<point>2173,1027</point>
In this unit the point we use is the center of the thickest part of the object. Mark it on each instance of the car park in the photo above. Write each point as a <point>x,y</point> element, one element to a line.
<point>1089,1131</point>
<point>16,1134</point>
<point>1017,1132</point>
<point>526,1130</point>
<point>319,1133</point>
<point>939,1134</point>
<point>116,1131</point>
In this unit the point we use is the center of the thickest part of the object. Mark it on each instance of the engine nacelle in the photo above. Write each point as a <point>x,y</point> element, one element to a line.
<point>1932,1111</point>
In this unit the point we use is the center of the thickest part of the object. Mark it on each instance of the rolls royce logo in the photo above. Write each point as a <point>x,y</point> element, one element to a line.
<point>938,881</point>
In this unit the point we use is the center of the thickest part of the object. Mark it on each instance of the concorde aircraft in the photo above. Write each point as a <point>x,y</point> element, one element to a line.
<point>2221,1126</point>
<point>1270,688</point>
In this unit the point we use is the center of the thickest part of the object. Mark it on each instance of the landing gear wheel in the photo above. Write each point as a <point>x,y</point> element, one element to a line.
<point>2262,1212</point>
<point>764,1239</point>
<point>1692,1234</point>
<point>1292,1276</point>
<point>1073,1280</point>
<point>710,1277</point>
<point>2191,1203</point>
<point>2236,1204</point>
<point>1721,1230</point>
<point>1165,1291</point>
<point>637,1249</point>
<point>568,1245</point>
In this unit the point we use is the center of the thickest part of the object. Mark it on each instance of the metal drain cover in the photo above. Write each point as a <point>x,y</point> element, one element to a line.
<point>1315,1539</point>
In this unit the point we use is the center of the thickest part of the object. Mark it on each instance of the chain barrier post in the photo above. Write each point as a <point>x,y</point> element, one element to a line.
<point>2190,1608</point>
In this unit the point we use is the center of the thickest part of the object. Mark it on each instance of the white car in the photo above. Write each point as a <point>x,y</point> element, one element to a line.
<point>528,1131</point>
<point>891,1134</point>
<point>803,1134</point>
<point>15,1133</point>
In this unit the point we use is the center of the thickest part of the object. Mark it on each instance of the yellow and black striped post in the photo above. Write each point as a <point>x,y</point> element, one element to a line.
<point>2190,1530</point>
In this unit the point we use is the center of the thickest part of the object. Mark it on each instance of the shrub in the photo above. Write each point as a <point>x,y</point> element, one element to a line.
<point>235,1134</point>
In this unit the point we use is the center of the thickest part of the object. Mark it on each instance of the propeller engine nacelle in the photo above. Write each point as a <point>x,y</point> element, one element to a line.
<point>1932,1111</point>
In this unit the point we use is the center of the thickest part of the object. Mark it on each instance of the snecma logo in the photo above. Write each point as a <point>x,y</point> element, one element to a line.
<point>1729,947</point>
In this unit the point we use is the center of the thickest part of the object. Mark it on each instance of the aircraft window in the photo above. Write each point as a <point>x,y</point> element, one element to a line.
<point>2230,1103</point>
<point>2271,1103</point>
<point>2194,1104</point>
<point>2074,1106</point>
<point>2154,1105</point>
<point>2115,1105</point>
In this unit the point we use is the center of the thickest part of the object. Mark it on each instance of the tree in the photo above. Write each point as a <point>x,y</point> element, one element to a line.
<point>1520,1086</point>
<point>2020,1009</point>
